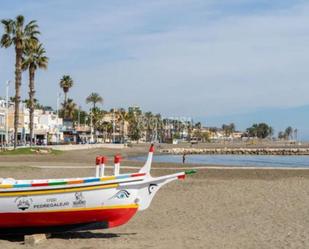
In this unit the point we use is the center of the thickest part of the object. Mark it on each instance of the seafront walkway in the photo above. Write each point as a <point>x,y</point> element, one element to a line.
<point>68,147</point>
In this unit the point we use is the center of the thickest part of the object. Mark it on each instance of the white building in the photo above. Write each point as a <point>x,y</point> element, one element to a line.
<point>46,126</point>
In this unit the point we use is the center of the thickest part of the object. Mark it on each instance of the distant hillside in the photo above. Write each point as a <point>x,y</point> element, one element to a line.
<point>278,118</point>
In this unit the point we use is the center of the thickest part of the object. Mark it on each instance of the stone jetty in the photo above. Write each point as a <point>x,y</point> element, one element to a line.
<point>237,151</point>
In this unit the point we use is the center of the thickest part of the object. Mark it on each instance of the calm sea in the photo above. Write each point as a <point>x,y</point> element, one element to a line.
<point>236,160</point>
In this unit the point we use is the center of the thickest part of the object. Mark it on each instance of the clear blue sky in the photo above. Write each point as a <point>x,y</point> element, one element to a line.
<point>195,58</point>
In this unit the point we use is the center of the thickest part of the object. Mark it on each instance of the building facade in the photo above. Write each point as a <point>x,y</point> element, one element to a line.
<point>47,126</point>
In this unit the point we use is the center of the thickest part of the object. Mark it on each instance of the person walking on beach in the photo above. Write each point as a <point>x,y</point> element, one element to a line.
<point>184,158</point>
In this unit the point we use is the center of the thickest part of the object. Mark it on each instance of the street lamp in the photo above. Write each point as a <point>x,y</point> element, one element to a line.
<point>7,113</point>
<point>114,125</point>
<point>91,128</point>
<point>57,125</point>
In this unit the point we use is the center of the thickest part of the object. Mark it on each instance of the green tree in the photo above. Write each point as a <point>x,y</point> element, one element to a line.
<point>281,135</point>
<point>66,82</point>
<point>33,58</point>
<point>82,115</point>
<point>96,114</point>
<point>289,133</point>
<point>149,123</point>
<point>160,128</point>
<point>135,124</point>
<point>47,108</point>
<point>19,35</point>
<point>121,118</point>
<point>94,98</point>
<point>68,109</point>
<point>228,129</point>
<point>261,130</point>
<point>37,105</point>
<point>198,125</point>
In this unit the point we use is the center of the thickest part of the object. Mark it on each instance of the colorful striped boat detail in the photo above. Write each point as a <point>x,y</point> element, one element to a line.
<point>108,178</point>
<point>71,182</point>
<point>56,191</point>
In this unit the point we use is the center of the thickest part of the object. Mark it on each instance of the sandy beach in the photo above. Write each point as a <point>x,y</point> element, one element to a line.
<point>215,208</point>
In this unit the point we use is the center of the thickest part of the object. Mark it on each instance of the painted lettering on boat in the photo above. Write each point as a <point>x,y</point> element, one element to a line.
<point>51,200</point>
<point>79,200</point>
<point>51,205</point>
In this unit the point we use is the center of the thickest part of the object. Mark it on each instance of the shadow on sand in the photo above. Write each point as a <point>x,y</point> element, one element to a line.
<point>69,235</point>
<point>88,235</point>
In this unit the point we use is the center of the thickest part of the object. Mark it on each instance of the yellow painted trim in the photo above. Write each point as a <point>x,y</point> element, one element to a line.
<point>88,209</point>
<point>6,186</point>
<point>107,178</point>
<point>57,191</point>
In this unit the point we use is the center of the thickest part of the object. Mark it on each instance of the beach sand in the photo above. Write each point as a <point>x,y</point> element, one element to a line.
<point>215,208</point>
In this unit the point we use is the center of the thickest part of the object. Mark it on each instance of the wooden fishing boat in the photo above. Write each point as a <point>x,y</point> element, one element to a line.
<point>51,205</point>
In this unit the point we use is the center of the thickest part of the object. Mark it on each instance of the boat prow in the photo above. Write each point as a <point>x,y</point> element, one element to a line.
<point>79,203</point>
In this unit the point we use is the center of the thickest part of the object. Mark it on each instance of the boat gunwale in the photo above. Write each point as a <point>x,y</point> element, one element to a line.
<point>66,188</point>
<point>53,183</point>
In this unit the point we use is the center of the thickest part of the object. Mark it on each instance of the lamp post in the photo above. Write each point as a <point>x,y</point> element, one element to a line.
<point>91,128</point>
<point>57,125</point>
<point>7,113</point>
<point>113,125</point>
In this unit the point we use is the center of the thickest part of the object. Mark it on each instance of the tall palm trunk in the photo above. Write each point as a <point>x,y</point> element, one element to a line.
<point>94,123</point>
<point>65,115</point>
<point>18,71</point>
<point>31,100</point>
<point>65,98</point>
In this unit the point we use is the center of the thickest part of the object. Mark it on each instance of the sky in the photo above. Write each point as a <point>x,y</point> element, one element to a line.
<point>180,58</point>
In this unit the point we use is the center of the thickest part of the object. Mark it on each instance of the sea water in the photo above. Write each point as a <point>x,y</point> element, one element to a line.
<point>236,160</point>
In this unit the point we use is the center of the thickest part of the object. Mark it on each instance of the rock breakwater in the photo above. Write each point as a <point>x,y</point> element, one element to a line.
<point>237,151</point>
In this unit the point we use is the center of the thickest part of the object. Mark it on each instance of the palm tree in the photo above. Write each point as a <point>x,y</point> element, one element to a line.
<point>19,35</point>
<point>36,103</point>
<point>289,132</point>
<point>122,118</point>
<point>69,108</point>
<point>96,113</point>
<point>94,98</point>
<point>66,82</point>
<point>33,58</point>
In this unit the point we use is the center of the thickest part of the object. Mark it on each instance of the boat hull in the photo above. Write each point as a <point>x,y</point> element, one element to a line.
<point>107,205</point>
<point>112,216</point>
<point>98,218</point>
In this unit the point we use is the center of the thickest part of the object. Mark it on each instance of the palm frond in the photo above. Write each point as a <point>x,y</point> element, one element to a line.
<point>20,19</point>
<point>6,40</point>
<point>8,25</point>
<point>34,56</point>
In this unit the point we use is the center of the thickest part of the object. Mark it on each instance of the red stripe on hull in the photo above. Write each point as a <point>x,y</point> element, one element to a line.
<point>114,217</point>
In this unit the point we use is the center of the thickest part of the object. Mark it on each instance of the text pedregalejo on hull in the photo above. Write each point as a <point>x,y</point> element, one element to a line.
<point>51,205</point>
